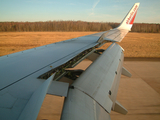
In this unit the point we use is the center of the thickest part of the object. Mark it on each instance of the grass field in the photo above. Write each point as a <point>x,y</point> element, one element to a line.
<point>134,44</point>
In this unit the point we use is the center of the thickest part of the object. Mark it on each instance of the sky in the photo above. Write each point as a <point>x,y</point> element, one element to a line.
<point>83,10</point>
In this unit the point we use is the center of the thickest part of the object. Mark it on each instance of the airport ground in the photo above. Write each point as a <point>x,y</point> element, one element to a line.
<point>140,94</point>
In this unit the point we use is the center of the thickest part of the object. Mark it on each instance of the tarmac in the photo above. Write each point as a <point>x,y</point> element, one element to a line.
<point>140,94</point>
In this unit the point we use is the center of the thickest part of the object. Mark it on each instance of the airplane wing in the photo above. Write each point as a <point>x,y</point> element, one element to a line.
<point>27,76</point>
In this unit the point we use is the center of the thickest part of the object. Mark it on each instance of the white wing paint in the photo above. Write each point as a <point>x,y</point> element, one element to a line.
<point>27,76</point>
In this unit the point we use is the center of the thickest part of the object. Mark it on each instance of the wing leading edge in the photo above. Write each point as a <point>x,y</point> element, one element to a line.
<point>92,95</point>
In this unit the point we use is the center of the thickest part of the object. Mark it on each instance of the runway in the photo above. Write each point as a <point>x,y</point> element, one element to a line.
<point>140,94</point>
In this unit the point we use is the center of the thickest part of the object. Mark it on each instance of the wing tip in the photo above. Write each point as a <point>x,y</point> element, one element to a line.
<point>128,21</point>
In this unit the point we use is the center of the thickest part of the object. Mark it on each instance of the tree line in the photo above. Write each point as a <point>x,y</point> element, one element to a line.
<point>72,26</point>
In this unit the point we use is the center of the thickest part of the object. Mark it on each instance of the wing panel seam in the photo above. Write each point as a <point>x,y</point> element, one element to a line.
<point>92,98</point>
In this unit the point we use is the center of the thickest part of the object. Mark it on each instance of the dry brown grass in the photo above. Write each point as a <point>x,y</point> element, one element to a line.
<point>135,44</point>
<point>11,42</point>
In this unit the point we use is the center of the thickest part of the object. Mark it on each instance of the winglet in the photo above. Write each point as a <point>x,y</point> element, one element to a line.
<point>129,19</point>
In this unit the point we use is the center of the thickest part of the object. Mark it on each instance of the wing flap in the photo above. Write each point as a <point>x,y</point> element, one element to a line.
<point>93,56</point>
<point>79,106</point>
<point>58,88</point>
<point>98,79</point>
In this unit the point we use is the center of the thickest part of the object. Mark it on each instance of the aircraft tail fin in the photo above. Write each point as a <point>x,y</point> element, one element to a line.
<point>129,19</point>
